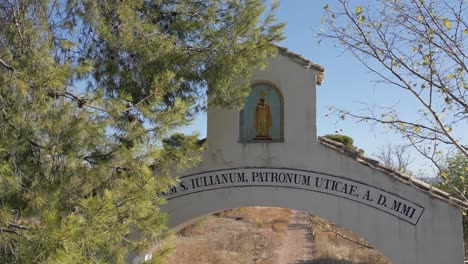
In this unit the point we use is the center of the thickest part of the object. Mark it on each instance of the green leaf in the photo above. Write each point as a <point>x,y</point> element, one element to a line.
<point>358,10</point>
<point>465,31</point>
<point>447,23</point>
<point>361,19</point>
<point>326,7</point>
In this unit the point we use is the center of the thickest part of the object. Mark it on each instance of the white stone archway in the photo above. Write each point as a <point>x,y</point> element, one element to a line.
<point>407,220</point>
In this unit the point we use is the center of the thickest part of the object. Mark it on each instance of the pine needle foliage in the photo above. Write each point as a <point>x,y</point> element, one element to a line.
<point>90,93</point>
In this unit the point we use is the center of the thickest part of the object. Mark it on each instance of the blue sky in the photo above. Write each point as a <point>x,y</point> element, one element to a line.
<point>347,83</point>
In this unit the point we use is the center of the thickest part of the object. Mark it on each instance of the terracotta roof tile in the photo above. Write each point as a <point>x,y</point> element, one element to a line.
<point>402,177</point>
<point>304,62</point>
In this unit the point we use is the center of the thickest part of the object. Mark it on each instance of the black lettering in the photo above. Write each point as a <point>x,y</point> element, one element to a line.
<point>396,206</point>
<point>382,200</point>
<point>305,180</point>
<point>224,178</point>
<point>352,190</point>
<point>317,182</point>
<point>327,181</point>
<point>367,196</point>
<point>211,180</point>
<point>274,177</point>
<point>289,177</point>
<point>282,177</point>
<point>256,176</point>
<point>196,183</point>
<point>216,180</point>
<point>403,209</point>
<point>297,180</point>
<point>337,186</point>
<point>345,188</point>
<point>412,213</point>
<point>182,186</point>
<point>173,190</point>
<point>241,177</point>
<point>264,176</point>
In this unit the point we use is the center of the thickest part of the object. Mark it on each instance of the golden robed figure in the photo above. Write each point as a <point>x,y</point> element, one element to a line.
<point>262,118</point>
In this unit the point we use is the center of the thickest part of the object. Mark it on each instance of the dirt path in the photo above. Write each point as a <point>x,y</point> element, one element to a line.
<point>298,247</point>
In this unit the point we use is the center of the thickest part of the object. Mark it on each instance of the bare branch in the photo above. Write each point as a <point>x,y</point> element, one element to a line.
<point>7,66</point>
<point>8,230</point>
<point>18,226</point>
<point>414,46</point>
<point>396,122</point>
<point>311,219</point>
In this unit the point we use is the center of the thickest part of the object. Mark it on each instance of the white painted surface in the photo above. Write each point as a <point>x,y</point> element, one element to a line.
<point>434,238</point>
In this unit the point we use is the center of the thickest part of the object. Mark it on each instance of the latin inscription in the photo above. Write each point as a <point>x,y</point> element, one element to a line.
<point>301,180</point>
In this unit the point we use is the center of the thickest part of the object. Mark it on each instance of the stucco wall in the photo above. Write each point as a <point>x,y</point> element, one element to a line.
<point>436,237</point>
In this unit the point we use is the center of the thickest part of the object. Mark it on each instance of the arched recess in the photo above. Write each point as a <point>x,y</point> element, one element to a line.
<point>274,103</point>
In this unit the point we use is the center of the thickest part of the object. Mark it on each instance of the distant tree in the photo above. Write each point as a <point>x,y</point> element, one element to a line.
<point>396,157</point>
<point>418,46</point>
<point>454,177</point>
<point>89,90</point>
<point>347,141</point>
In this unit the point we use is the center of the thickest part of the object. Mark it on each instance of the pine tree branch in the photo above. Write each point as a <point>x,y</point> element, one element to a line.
<point>7,66</point>
<point>8,230</point>
<point>81,102</point>
<point>19,226</point>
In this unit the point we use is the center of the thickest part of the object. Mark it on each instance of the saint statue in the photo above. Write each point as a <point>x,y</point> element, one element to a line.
<point>262,118</point>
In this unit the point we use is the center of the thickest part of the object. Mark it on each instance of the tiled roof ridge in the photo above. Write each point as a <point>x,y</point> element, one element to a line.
<point>400,176</point>
<point>304,62</point>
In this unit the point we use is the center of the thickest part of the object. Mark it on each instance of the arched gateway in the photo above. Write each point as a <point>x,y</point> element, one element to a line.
<point>269,155</point>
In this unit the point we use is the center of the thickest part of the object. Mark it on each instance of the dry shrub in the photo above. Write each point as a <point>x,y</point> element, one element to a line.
<point>224,240</point>
<point>196,228</point>
<point>253,234</point>
<point>330,247</point>
<point>276,219</point>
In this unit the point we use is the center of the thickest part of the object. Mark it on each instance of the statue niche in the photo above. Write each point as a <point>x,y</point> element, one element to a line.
<point>262,116</point>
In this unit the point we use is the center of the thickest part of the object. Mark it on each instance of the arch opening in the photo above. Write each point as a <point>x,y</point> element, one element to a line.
<point>269,235</point>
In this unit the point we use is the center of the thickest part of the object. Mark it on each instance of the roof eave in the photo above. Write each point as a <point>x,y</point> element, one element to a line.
<point>297,58</point>
<point>402,177</point>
